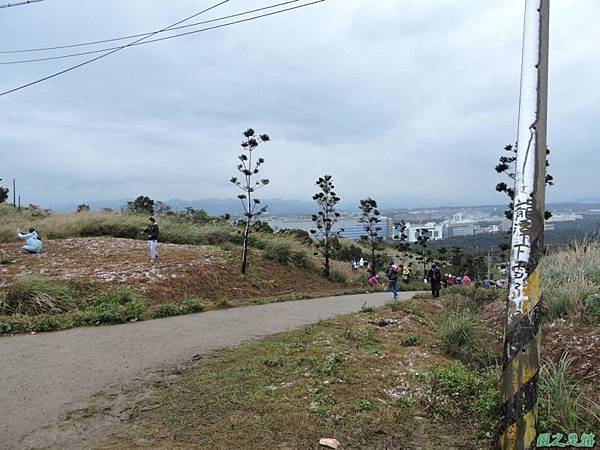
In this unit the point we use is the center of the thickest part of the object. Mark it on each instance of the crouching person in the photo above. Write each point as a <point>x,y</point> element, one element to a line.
<point>33,243</point>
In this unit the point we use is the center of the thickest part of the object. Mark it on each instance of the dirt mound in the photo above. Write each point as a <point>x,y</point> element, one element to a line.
<point>182,271</point>
<point>580,340</point>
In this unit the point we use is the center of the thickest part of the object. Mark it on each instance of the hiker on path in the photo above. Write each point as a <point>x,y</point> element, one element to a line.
<point>392,275</point>
<point>435,278</point>
<point>152,232</point>
<point>33,243</point>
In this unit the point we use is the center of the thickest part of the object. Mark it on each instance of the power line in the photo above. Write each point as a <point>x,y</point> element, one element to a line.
<point>91,52</point>
<point>89,61</point>
<point>138,42</point>
<point>25,2</point>
<point>104,41</point>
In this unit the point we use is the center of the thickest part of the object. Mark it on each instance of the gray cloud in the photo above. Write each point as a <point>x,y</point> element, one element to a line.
<point>397,99</point>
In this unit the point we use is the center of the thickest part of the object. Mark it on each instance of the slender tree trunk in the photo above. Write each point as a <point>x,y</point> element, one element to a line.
<point>327,256</point>
<point>245,245</point>
<point>248,218</point>
<point>373,268</point>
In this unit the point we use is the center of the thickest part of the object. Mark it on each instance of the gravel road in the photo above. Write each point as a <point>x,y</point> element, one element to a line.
<point>45,376</point>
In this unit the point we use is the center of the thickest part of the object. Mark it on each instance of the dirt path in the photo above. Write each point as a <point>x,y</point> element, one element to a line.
<point>49,379</point>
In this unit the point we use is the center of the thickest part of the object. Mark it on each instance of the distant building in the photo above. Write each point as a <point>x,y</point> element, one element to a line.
<point>464,228</point>
<point>565,217</point>
<point>434,231</point>
<point>357,230</point>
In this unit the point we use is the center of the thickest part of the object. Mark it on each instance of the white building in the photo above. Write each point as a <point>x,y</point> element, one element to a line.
<point>433,230</point>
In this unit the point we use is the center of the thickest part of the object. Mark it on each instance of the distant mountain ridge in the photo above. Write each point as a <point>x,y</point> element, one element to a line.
<point>301,207</point>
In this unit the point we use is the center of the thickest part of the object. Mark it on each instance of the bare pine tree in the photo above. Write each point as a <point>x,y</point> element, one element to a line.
<point>369,218</point>
<point>248,183</point>
<point>325,219</point>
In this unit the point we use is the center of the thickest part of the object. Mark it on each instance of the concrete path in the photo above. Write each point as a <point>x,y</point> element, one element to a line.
<point>42,376</point>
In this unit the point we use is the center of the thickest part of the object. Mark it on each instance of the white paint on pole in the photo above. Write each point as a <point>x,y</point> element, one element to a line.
<point>526,159</point>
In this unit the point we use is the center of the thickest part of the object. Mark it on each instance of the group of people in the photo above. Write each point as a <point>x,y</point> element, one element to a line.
<point>393,273</point>
<point>457,280</point>
<point>435,278</point>
<point>437,281</point>
<point>33,242</point>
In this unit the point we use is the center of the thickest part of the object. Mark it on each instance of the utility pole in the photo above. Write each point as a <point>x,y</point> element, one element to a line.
<point>521,356</point>
<point>14,192</point>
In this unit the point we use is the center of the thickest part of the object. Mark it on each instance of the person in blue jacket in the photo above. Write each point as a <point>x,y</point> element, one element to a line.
<point>33,243</point>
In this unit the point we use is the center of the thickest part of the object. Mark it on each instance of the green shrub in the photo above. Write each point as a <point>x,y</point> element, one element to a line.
<point>395,306</point>
<point>338,277</point>
<point>51,323</point>
<point>282,253</point>
<point>483,296</point>
<point>460,391</point>
<point>363,405</point>
<point>171,309</point>
<point>191,305</point>
<point>15,324</point>
<point>222,304</point>
<point>278,362</point>
<point>411,339</point>
<point>167,310</point>
<point>116,306</point>
<point>457,330</point>
<point>118,296</point>
<point>115,229</point>
<point>32,296</point>
<point>592,308</point>
<point>562,404</point>
<point>366,308</point>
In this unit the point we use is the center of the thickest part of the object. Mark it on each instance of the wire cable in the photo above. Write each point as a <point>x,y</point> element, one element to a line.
<point>104,41</point>
<point>89,61</point>
<point>25,2</point>
<point>91,52</point>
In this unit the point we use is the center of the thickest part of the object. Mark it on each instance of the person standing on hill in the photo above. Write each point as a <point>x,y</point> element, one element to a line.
<point>152,232</point>
<point>392,275</point>
<point>435,278</point>
<point>33,243</point>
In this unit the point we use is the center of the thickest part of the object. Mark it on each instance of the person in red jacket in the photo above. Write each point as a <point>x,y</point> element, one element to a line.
<point>466,281</point>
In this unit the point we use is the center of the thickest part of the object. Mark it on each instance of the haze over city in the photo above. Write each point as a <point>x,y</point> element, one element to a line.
<point>408,102</point>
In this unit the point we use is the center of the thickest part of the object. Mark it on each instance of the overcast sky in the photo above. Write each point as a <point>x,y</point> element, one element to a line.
<point>409,102</point>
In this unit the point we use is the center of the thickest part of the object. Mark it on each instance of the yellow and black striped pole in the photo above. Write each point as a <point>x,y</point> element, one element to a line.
<point>521,357</point>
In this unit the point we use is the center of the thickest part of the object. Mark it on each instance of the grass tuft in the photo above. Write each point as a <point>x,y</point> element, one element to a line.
<point>563,405</point>
<point>457,330</point>
<point>32,296</point>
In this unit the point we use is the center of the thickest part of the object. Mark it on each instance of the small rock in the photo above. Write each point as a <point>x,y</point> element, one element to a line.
<point>329,442</point>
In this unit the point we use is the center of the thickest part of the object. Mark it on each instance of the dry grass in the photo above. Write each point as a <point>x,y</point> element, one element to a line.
<point>343,378</point>
<point>569,278</point>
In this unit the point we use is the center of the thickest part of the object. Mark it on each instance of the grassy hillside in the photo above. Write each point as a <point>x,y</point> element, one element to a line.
<point>95,269</point>
<point>433,370</point>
